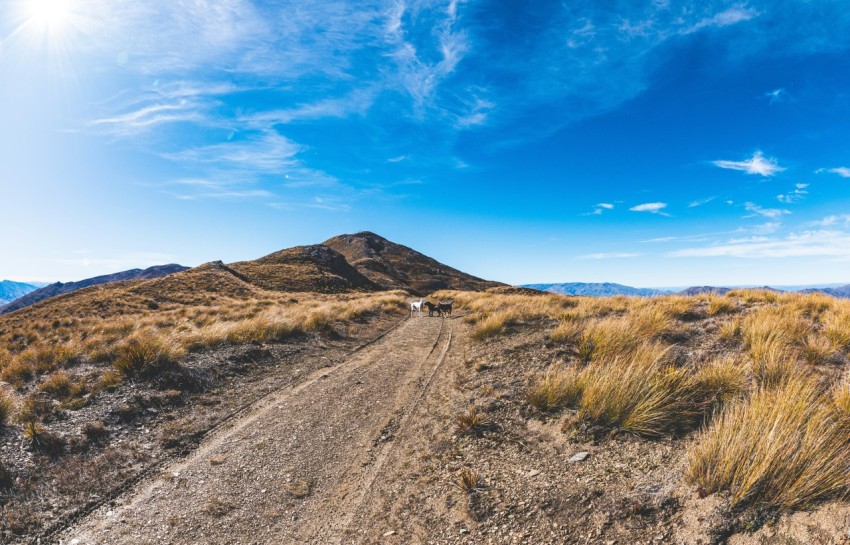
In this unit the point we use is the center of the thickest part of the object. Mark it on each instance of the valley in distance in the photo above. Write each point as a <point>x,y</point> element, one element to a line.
<point>299,398</point>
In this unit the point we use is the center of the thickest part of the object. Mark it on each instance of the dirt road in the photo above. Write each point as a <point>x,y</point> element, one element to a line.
<point>302,466</point>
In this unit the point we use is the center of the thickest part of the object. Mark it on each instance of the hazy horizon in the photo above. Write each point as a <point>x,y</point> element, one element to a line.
<point>675,143</point>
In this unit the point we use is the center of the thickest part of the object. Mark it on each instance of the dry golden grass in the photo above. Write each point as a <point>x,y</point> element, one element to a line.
<point>722,381</point>
<point>138,339</point>
<point>469,421</point>
<point>642,394</point>
<point>783,448</point>
<point>557,388</point>
<point>775,432</point>
<point>468,481</point>
<point>721,305</point>
<point>7,407</point>
<point>146,356</point>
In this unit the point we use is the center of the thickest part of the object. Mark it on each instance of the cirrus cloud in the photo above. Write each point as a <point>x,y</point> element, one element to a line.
<point>757,164</point>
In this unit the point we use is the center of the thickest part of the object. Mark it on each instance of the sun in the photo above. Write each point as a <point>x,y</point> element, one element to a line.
<point>51,15</point>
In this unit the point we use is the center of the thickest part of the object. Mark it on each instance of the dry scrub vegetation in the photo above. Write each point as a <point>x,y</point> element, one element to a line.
<point>144,340</point>
<point>753,382</point>
<point>85,375</point>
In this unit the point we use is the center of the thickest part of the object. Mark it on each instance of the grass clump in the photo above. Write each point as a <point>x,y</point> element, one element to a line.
<point>470,421</point>
<point>783,448</point>
<point>468,481</point>
<point>146,357</point>
<point>721,382</point>
<point>7,406</point>
<point>721,305</point>
<point>557,388</point>
<point>641,395</point>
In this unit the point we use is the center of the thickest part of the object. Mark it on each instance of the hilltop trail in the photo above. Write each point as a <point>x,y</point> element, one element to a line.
<point>309,464</point>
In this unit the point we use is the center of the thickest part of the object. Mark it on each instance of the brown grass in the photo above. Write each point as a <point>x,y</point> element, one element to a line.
<point>558,388</point>
<point>782,448</point>
<point>470,421</point>
<point>468,481</point>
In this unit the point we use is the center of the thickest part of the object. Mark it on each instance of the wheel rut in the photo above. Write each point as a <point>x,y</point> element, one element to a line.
<point>296,467</point>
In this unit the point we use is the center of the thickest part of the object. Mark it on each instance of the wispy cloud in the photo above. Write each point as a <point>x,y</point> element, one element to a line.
<point>833,220</point>
<point>844,172</point>
<point>796,195</point>
<point>651,207</point>
<point>608,255</point>
<point>764,212</point>
<point>265,152</point>
<point>757,164</point>
<point>700,202</point>
<point>819,243</point>
<point>601,207</point>
<point>730,16</point>
<point>777,95</point>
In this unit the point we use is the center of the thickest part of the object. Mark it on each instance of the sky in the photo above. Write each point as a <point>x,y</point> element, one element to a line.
<point>654,143</point>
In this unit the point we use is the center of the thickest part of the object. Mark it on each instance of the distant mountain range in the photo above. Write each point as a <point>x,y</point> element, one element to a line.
<point>9,291</point>
<point>608,289</point>
<point>35,295</point>
<point>595,289</point>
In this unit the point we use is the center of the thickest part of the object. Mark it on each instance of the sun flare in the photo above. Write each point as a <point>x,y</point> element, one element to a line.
<point>49,14</point>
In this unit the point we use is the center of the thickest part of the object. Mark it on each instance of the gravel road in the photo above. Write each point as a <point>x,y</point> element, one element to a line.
<point>300,467</point>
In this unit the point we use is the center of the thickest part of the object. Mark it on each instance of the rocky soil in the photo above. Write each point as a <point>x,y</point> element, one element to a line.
<point>366,449</point>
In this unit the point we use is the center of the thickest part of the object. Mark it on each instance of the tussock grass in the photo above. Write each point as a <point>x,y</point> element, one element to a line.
<point>7,407</point>
<point>468,481</point>
<point>641,395</point>
<point>784,447</point>
<point>817,348</point>
<point>470,421</point>
<point>32,345</point>
<point>721,305</point>
<point>836,328</point>
<point>145,356</point>
<point>721,382</point>
<point>558,388</point>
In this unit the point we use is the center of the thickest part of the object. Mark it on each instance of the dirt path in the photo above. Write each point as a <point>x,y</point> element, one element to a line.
<point>300,467</point>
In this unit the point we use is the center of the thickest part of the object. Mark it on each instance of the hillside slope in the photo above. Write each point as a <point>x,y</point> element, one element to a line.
<point>60,288</point>
<point>393,266</point>
<point>304,268</point>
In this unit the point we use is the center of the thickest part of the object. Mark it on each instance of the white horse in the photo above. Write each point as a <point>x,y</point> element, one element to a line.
<point>416,306</point>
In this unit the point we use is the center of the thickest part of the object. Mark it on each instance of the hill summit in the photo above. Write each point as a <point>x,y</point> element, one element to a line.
<point>360,262</point>
<point>393,266</point>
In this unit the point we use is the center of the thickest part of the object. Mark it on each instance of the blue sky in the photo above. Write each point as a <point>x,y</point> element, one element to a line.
<point>648,143</point>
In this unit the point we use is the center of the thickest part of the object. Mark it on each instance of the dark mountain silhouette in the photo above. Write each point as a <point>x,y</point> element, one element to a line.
<point>9,291</point>
<point>393,266</point>
<point>59,288</point>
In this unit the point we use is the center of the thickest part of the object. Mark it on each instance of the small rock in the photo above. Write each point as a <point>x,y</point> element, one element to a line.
<point>390,533</point>
<point>579,457</point>
<point>75,541</point>
<point>533,473</point>
<point>464,531</point>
